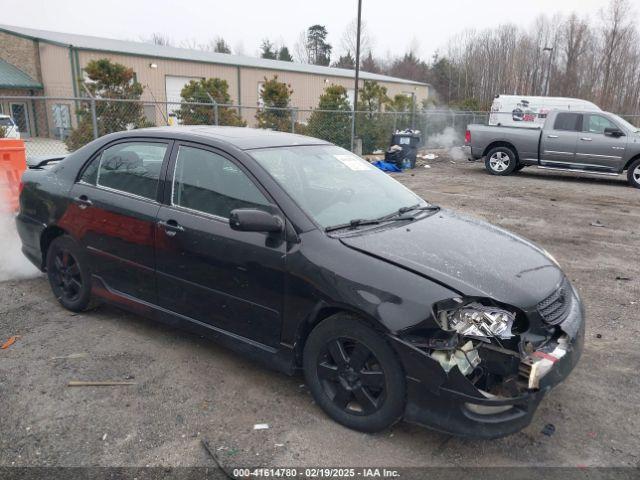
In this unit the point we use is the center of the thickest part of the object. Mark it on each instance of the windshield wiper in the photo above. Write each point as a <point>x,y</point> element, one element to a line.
<point>359,222</point>
<point>393,217</point>
<point>401,211</point>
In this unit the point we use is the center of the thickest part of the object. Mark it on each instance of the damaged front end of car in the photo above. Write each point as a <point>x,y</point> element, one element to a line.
<point>479,368</point>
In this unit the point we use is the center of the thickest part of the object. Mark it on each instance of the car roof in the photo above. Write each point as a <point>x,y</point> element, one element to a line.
<point>243,138</point>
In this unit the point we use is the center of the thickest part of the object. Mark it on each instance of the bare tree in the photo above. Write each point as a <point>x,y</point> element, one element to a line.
<point>599,61</point>
<point>575,41</point>
<point>350,35</point>
<point>302,51</point>
<point>192,44</point>
<point>617,30</point>
<point>158,39</point>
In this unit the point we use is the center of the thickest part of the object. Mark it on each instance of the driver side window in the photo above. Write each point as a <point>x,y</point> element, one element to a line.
<point>597,124</point>
<point>207,182</point>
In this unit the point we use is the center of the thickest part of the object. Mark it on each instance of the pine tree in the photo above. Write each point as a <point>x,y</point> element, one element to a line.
<point>200,91</point>
<point>275,113</point>
<point>221,46</point>
<point>284,55</point>
<point>333,126</point>
<point>108,80</point>
<point>345,61</point>
<point>373,126</point>
<point>268,50</point>
<point>317,45</point>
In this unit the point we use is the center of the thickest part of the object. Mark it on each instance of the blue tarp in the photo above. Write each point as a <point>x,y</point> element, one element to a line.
<point>386,166</point>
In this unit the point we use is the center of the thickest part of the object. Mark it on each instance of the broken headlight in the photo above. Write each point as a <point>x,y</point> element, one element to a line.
<point>477,320</point>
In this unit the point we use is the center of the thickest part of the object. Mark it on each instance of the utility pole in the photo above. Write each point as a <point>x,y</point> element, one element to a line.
<point>355,93</point>
<point>546,88</point>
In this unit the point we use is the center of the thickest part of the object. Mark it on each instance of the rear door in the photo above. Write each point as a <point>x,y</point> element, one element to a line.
<point>113,214</point>
<point>594,148</point>
<point>231,280</point>
<point>558,143</point>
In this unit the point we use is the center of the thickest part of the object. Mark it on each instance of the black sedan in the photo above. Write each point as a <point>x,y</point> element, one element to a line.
<point>305,257</point>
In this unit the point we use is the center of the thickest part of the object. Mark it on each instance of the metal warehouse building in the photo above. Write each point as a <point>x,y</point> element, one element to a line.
<point>38,62</point>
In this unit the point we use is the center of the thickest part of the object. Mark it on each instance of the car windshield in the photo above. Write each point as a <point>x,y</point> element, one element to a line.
<point>625,124</point>
<point>333,185</point>
<point>6,122</point>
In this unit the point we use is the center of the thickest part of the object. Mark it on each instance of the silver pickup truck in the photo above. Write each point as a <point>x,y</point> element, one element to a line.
<point>589,142</point>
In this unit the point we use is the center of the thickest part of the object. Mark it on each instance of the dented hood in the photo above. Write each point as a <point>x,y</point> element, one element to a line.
<point>473,257</point>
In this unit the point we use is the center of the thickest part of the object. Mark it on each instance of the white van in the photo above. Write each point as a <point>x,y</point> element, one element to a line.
<point>9,126</point>
<point>524,111</point>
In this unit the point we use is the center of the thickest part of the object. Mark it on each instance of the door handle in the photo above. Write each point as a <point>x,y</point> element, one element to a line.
<point>83,201</point>
<point>586,139</point>
<point>552,136</point>
<point>171,227</point>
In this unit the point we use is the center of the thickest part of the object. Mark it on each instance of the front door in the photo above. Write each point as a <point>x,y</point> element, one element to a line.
<point>206,271</point>
<point>113,215</point>
<point>558,144</point>
<point>594,148</point>
<point>20,116</point>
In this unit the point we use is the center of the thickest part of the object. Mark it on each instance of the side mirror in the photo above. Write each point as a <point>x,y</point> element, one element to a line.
<point>253,220</point>
<point>613,132</point>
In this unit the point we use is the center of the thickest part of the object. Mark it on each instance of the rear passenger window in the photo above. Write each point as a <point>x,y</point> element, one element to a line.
<point>128,167</point>
<point>209,183</point>
<point>568,121</point>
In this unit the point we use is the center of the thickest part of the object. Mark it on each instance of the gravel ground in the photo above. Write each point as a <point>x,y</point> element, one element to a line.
<point>187,388</point>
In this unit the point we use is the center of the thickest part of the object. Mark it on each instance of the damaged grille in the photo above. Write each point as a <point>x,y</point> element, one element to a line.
<point>555,308</point>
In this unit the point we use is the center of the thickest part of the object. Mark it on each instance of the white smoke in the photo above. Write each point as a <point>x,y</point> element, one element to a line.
<point>449,140</point>
<point>13,264</point>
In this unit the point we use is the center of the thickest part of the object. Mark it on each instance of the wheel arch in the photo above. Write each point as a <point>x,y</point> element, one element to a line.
<point>631,160</point>
<point>321,312</point>
<point>501,143</point>
<point>48,235</point>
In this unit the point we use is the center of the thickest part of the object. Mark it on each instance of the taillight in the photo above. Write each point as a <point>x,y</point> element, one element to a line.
<point>467,136</point>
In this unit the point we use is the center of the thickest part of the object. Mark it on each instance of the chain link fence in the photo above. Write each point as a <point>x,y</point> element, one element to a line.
<point>59,125</point>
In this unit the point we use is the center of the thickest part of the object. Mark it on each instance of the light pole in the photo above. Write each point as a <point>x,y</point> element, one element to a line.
<point>355,92</point>
<point>546,88</point>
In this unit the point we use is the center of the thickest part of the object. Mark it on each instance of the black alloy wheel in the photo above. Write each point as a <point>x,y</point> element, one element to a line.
<point>354,374</point>
<point>68,274</point>
<point>67,281</point>
<point>351,376</point>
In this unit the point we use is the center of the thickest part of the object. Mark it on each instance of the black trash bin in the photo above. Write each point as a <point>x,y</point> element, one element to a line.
<point>408,141</point>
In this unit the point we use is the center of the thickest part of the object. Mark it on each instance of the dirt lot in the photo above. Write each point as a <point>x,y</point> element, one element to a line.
<point>187,388</point>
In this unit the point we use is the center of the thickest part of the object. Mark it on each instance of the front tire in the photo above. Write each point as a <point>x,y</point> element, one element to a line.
<point>354,374</point>
<point>68,274</point>
<point>501,161</point>
<point>633,174</point>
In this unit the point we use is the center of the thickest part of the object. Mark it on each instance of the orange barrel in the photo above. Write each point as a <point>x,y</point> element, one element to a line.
<point>13,162</point>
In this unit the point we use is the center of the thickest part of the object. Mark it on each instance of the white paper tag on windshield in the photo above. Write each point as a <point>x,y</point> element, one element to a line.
<point>353,162</point>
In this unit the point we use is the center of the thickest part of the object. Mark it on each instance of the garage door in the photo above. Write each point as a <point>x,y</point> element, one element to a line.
<point>173,87</point>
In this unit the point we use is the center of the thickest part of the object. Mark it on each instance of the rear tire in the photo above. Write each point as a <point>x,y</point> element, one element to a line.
<point>633,174</point>
<point>501,161</point>
<point>354,374</point>
<point>68,274</point>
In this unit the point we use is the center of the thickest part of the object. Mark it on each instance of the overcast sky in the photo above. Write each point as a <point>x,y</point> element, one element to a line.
<point>394,25</point>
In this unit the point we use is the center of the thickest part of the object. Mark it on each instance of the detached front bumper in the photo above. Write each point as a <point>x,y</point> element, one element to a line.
<point>450,403</point>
